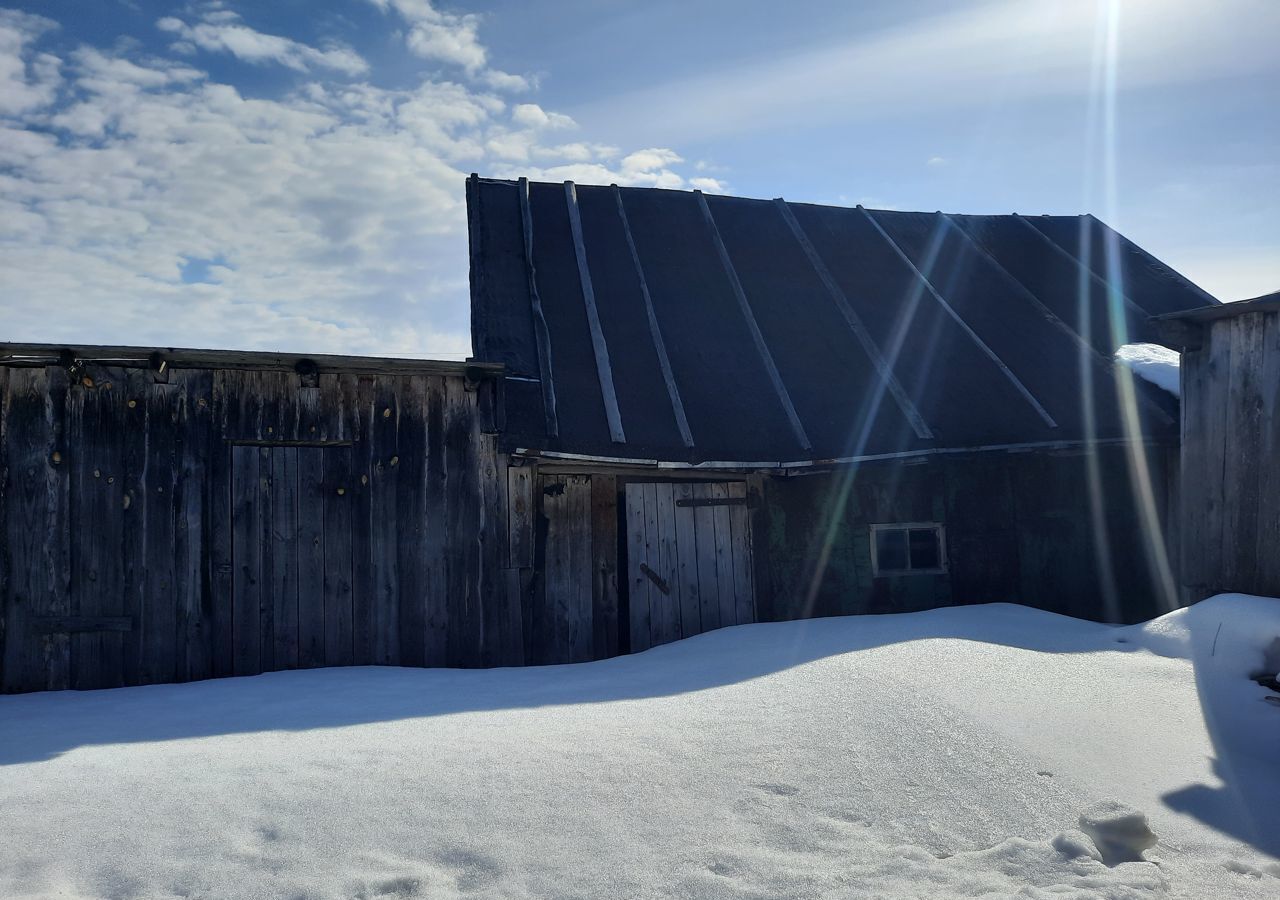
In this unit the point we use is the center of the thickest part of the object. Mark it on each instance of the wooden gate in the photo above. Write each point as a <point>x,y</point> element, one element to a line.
<point>689,559</point>
<point>291,557</point>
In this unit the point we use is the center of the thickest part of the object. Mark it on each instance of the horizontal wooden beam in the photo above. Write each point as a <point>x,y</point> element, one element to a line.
<point>36,355</point>
<point>712,501</point>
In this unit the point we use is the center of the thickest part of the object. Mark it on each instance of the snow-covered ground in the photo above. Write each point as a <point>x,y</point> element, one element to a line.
<point>939,754</point>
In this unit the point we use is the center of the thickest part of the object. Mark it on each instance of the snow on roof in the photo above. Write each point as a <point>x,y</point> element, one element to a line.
<point>1153,363</point>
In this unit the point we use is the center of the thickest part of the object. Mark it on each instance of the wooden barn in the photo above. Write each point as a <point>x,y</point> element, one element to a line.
<point>758,410</point>
<point>684,412</point>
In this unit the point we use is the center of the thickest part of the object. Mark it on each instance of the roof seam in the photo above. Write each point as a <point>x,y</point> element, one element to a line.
<point>973,335</point>
<point>1086,270</point>
<point>600,349</point>
<point>541,333</point>
<point>1107,365</point>
<point>655,332</point>
<point>882,366</point>
<point>763,348</point>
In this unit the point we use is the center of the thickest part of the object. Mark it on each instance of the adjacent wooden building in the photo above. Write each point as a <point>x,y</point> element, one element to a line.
<point>684,412</point>
<point>1230,445</point>
<point>172,515</point>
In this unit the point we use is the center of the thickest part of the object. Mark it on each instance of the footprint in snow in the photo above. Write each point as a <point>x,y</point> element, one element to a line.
<point>781,790</point>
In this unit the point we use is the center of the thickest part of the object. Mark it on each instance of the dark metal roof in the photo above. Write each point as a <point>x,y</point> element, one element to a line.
<point>1265,303</point>
<point>669,325</point>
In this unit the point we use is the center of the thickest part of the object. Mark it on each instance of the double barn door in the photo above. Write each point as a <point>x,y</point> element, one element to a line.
<point>689,559</point>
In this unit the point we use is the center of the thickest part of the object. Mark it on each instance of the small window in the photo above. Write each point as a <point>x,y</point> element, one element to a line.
<point>913,548</point>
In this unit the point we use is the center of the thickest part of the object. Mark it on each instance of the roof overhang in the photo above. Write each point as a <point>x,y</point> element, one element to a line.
<point>29,355</point>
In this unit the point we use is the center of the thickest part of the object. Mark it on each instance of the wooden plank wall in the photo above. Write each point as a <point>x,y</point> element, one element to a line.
<point>156,530</point>
<point>1019,528</point>
<point>565,528</point>
<point>690,559</point>
<point>1230,485</point>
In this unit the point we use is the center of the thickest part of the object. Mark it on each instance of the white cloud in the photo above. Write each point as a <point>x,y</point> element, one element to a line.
<point>451,38</point>
<point>27,81</point>
<point>531,115</point>
<point>936,161</point>
<point>330,219</point>
<point>220,31</point>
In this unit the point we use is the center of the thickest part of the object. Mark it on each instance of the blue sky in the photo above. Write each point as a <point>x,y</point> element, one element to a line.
<point>289,175</point>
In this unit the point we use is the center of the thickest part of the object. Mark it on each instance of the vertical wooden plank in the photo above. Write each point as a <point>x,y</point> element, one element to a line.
<point>1241,463</point>
<point>638,584</point>
<point>552,635</point>
<point>503,641</point>
<point>1267,545</point>
<point>384,490</point>
<point>742,552</point>
<point>520,516</point>
<point>221,568</point>
<point>311,558</point>
<point>284,556</point>
<point>266,564</point>
<point>336,493</point>
<point>159,662</point>
<point>363,576</point>
<point>246,543</point>
<point>604,564</point>
<point>761,573</point>
<point>704,527</point>
<point>132,439</point>
<point>723,532</point>
<point>56,649</point>
<point>667,609</point>
<point>6,563</point>
<point>687,563</point>
<point>410,464</point>
<point>436,539</point>
<point>462,504</point>
<point>578,602</point>
<point>192,576</point>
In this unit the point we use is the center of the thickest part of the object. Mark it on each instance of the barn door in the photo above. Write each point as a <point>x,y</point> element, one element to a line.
<point>689,561</point>
<point>291,556</point>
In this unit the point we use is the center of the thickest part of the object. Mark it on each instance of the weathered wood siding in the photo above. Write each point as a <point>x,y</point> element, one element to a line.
<point>1231,457</point>
<point>236,521</point>
<point>1020,528</point>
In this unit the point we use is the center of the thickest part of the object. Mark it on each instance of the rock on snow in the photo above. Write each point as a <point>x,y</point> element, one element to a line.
<point>802,759</point>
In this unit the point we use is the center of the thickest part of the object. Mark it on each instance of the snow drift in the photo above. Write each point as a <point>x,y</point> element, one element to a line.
<point>1153,363</point>
<point>974,751</point>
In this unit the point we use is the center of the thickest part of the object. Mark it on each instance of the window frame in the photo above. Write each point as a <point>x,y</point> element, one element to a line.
<point>937,527</point>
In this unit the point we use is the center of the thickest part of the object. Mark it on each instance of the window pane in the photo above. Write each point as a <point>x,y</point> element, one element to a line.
<point>925,552</point>
<point>891,549</point>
